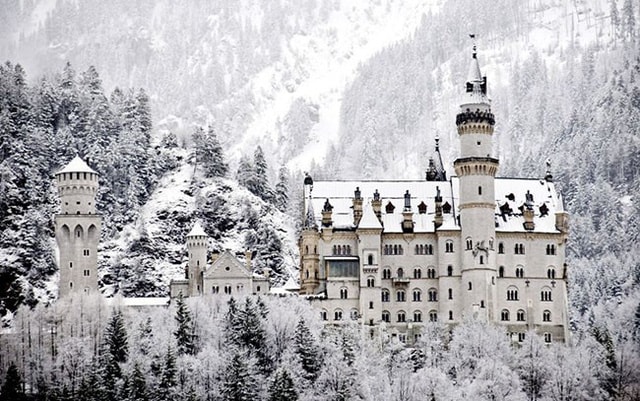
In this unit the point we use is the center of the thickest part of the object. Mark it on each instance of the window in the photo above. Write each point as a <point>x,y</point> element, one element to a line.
<point>354,314</point>
<point>470,286</point>
<point>401,317</point>
<point>422,208</point>
<point>240,287</point>
<point>546,315</point>
<point>504,315</point>
<point>448,246</point>
<point>70,284</point>
<point>501,271</point>
<point>258,289</point>
<point>479,188</point>
<point>512,293</point>
<point>551,249</point>
<point>86,273</point>
<point>481,259</point>
<point>370,304</point>
<point>85,252</point>
<point>433,295</point>
<point>545,294</point>
<point>450,315</point>
<point>386,316</point>
<point>215,289</point>
<point>370,259</point>
<point>227,289</point>
<point>417,316</point>
<point>417,295</point>
<point>306,249</point>
<point>450,293</point>
<point>401,296</point>
<point>371,282</point>
<point>547,337</point>
<point>389,208</point>
<point>386,274</point>
<point>500,247</point>
<point>70,265</point>
<point>323,315</point>
<point>424,249</point>
<point>551,273</point>
<point>343,293</point>
<point>520,316</point>
<point>521,337</point>
<point>337,315</point>
<point>449,270</point>
<point>433,316</point>
<point>400,272</point>
<point>519,249</point>
<point>431,273</point>
<point>417,272</point>
<point>469,244</point>
<point>520,272</point>
<point>385,296</point>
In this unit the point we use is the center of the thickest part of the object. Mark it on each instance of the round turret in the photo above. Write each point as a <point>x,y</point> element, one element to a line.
<point>197,246</point>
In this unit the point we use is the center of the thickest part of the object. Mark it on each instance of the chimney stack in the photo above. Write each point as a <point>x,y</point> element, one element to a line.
<point>438,219</point>
<point>357,206</point>
<point>407,214</point>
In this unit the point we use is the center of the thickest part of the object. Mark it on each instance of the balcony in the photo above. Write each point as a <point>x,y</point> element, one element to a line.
<point>400,281</point>
<point>370,269</point>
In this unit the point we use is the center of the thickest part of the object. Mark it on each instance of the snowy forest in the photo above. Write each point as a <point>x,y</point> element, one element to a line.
<point>211,111</point>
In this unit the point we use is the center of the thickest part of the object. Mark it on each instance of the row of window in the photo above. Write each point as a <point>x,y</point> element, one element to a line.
<point>227,289</point>
<point>551,272</point>
<point>417,273</point>
<point>521,336</point>
<point>424,249</point>
<point>392,250</point>
<point>521,316</point>
<point>432,295</point>
<point>342,249</point>
<point>512,294</point>
<point>84,176</point>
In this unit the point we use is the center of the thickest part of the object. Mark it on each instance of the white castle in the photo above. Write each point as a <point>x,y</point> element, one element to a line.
<point>395,254</point>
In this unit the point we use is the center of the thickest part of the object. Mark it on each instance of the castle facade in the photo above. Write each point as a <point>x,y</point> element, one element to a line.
<point>395,254</point>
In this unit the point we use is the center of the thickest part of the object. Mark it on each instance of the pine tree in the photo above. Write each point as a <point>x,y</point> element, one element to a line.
<point>209,153</point>
<point>116,338</point>
<point>282,190</point>
<point>258,182</point>
<point>12,387</point>
<point>237,384</point>
<point>628,20</point>
<point>167,386</point>
<point>137,385</point>
<point>245,172</point>
<point>282,388</point>
<point>185,332</point>
<point>307,350</point>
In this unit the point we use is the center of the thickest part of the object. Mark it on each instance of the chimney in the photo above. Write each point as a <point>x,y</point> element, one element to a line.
<point>438,219</point>
<point>357,206</point>
<point>376,203</point>
<point>407,221</point>
<point>247,260</point>
<point>326,214</point>
<point>214,257</point>
<point>527,212</point>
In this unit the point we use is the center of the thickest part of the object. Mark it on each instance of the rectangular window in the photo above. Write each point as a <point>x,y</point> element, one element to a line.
<point>343,268</point>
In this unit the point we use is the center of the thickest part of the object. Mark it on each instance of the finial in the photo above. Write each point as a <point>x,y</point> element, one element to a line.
<point>437,143</point>
<point>473,37</point>
<point>548,176</point>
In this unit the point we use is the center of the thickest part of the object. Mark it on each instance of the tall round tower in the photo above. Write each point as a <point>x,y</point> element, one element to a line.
<point>309,239</point>
<point>77,227</point>
<point>197,247</point>
<point>476,169</point>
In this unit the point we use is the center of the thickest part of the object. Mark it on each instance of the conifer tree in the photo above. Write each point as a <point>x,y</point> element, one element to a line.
<point>137,385</point>
<point>282,190</point>
<point>209,153</point>
<point>282,388</point>
<point>237,384</point>
<point>245,172</point>
<point>185,332</point>
<point>307,350</point>
<point>116,338</point>
<point>12,386</point>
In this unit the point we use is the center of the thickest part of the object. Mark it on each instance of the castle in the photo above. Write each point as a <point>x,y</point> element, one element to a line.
<point>77,228</point>
<point>394,254</point>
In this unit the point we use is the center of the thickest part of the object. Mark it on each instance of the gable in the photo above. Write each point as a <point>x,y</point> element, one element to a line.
<point>227,266</point>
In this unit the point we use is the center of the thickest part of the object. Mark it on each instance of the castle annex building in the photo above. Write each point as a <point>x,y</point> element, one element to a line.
<point>396,254</point>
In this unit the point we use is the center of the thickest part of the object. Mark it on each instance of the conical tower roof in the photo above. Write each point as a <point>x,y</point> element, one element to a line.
<point>197,231</point>
<point>77,165</point>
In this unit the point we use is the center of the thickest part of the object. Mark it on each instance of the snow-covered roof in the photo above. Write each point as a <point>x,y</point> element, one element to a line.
<point>77,165</point>
<point>510,191</point>
<point>197,231</point>
<point>138,302</point>
<point>369,218</point>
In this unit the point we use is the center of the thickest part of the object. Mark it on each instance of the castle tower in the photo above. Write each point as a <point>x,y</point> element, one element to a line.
<point>309,239</point>
<point>197,247</point>
<point>477,169</point>
<point>77,228</point>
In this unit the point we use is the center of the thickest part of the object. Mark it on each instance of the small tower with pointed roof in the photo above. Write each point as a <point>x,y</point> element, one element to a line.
<point>309,256</point>
<point>197,241</point>
<point>77,228</point>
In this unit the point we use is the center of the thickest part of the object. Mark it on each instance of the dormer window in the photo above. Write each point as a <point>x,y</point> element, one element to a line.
<point>422,208</point>
<point>389,208</point>
<point>446,208</point>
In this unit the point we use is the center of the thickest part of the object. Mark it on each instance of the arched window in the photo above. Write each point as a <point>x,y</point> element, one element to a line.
<point>469,244</point>
<point>389,208</point>
<point>348,249</point>
<point>386,316</point>
<point>551,273</point>
<point>385,250</point>
<point>385,295</point>
<point>371,282</point>
<point>401,296</point>
<point>481,259</point>
<point>470,286</point>
<point>370,259</point>
<point>402,317</point>
<point>335,250</point>
<point>448,246</point>
<point>501,271</point>
<point>545,294</point>
<point>546,316</point>
<point>324,314</point>
<point>354,314</point>
<point>519,249</point>
<point>504,315</point>
<point>519,272</point>
<point>547,337</point>
<point>400,272</point>
<point>417,316</point>
<point>400,251</point>
<point>337,314</point>
<point>386,274</point>
<point>429,249</point>
<point>450,293</point>
<point>395,249</point>
<point>433,295</point>
<point>479,190</point>
<point>433,316</point>
<point>500,247</point>
<point>512,293</point>
<point>306,249</point>
<point>418,249</point>
<point>449,270</point>
<point>520,316</point>
<point>551,249</point>
<point>417,295</point>
<point>450,315</point>
<point>417,272</point>
<point>431,273</point>
<point>343,293</point>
